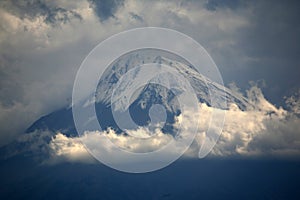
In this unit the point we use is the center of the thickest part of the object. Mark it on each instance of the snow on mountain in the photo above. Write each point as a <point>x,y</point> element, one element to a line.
<point>199,83</point>
<point>148,95</point>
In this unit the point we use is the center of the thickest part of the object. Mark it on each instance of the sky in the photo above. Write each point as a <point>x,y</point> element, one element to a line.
<point>256,46</point>
<point>42,44</point>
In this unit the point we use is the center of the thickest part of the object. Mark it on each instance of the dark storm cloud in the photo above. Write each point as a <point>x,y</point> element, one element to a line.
<point>276,43</point>
<point>215,4</point>
<point>35,8</point>
<point>268,49</point>
<point>136,17</point>
<point>106,8</point>
<point>275,30</point>
<point>30,84</point>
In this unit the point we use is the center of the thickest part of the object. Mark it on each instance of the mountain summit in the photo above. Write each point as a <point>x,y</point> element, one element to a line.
<point>146,96</point>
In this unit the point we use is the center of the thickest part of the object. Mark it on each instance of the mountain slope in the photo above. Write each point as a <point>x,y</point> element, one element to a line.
<point>141,102</point>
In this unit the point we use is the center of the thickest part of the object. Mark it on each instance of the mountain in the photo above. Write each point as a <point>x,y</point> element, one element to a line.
<point>142,100</point>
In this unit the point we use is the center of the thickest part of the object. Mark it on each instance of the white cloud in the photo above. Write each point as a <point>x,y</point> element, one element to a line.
<point>64,149</point>
<point>266,131</point>
<point>263,131</point>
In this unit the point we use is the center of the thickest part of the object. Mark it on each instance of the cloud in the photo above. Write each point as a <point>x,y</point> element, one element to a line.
<point>264,131</point>
<point>261,132</point>
<point>42,44</point>
<point>106,8</point>
<point>293,102</point>
<point>38,62</point>
<point>64,149</point>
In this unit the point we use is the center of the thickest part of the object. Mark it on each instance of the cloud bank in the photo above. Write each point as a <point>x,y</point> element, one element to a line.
<point>264,131</point>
